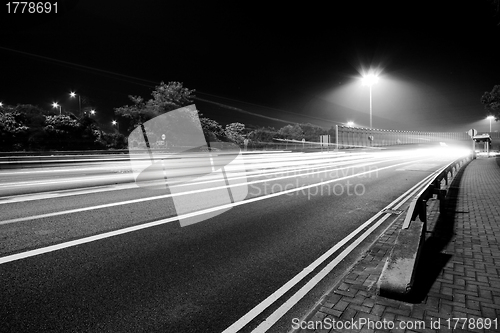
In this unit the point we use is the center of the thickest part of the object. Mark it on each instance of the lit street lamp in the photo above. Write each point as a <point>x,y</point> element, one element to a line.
<point>56,105</point>
<point>115,123</point>
<point>73,95</point>
<point>350,123</point>
<point>490,118</point>
<point>369,80</point>
<point>92,112</point>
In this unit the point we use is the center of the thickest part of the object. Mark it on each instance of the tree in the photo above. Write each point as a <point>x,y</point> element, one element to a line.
<point>12,131</point>
<point>312,132</point>
<point>171,96</point>
<point>34,118</point>
<point>234,132</point>
<point>166,97</point>
<point>263,134</point>
<point>211,129</point>
<point>294,132</point>
<point>496,6</point>
<point>491,102</point>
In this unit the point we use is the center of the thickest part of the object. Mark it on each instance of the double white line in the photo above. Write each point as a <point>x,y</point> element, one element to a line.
<point>380,217</point>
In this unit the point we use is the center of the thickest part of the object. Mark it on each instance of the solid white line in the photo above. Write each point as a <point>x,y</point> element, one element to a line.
<point>34,183</point>
<point>285,307</point>
<point>243,321</point>
<point>121,203</point>
<point>246,174</point>
<point>295,298</point>
<point>84,240</point>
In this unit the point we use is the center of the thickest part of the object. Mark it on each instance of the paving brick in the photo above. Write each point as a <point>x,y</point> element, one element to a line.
<point>403,312</point>
<point>361,308</point>
<point>378,310</point>
<point>341,305</point>
<point>329,311</point>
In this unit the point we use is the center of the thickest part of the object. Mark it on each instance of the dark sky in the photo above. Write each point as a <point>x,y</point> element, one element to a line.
<point>293,62</point>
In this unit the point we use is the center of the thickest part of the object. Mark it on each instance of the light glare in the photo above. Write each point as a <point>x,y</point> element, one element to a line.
<point>369,79</point>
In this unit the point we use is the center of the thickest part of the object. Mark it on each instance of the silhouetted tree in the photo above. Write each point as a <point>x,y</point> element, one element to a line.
<point>234,132</point>
<point>212,130</point>
<point>294,132</point>
<point>491,102</point>
<point>166,97</point>
<point>263,134</point>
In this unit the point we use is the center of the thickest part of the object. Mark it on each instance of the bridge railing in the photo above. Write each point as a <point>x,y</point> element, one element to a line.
<point>347,136</point>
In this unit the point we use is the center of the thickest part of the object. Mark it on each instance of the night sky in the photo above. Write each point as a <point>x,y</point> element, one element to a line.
<point>262,64</point>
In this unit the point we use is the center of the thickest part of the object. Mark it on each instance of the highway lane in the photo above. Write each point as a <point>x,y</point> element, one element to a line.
<point>199,278</point>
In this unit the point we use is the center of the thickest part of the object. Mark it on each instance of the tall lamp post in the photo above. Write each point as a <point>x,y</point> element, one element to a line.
<point>73,95</point>
<point>369,80</point>
<point>56,105</point>
<point>490,118</point>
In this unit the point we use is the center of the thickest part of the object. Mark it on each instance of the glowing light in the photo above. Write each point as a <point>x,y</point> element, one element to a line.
<point>55,105</point>
<point>369,79</point>
<point>350,123</point>
<point>72,94</point>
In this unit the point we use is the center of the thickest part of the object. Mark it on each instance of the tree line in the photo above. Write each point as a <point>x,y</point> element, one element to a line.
<point>27,127</point>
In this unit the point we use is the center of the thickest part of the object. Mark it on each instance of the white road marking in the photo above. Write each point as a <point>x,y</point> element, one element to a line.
<point>104,188</point>
<point>84,240</point>
<point>294,299</point>
<point>243,321</point>
<point>121,203</point>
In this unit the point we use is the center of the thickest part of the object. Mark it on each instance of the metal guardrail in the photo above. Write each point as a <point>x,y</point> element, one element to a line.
<point>419,203</point>
<point>399,271</point>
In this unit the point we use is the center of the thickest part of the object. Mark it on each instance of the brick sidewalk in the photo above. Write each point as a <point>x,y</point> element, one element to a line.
<point>458,275</point>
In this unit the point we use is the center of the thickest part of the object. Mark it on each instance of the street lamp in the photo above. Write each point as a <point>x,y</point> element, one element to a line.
<point>369,80</point>
<point>350,123</point>
<point>92,112</point>
<point>56,105</point>
<point>115,123</point>
<point>73,95</point>
<point>490,118</point>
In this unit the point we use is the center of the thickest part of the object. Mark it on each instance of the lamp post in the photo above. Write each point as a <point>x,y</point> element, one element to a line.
<point>369,80</point>
<point>490,118</point>
<point>73,95</point>
<point>56,105</point>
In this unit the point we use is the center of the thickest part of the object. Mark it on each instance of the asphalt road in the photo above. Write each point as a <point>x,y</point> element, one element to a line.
<point>201,277</point>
